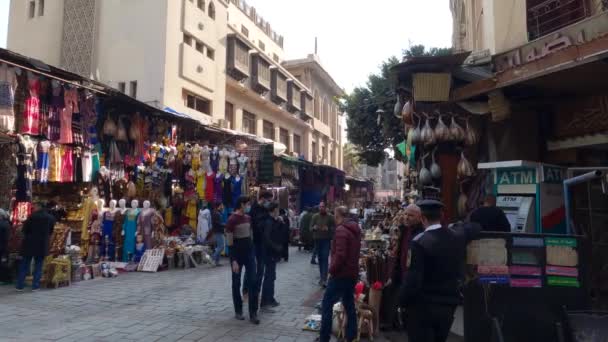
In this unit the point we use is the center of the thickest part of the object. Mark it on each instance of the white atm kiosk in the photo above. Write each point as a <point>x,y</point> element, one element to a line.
<point>520,212</point>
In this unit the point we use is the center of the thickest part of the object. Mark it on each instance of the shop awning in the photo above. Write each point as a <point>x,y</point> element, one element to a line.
<point>176,113</point>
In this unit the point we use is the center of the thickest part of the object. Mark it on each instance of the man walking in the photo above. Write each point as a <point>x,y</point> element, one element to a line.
<point>258,214</point>
<point>239,238</point>
<point>273,250</point>
<point>344,272</point>
<point>37,231</point>
<point>217,228</point>
<point>323,225</point>
<point>432,288</point>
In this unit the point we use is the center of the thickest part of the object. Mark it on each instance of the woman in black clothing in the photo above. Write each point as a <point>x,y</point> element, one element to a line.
<point>285,224</point>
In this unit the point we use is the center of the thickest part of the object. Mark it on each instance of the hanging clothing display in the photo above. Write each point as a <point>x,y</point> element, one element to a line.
<point>144,226</point>
<point>31,111</point>
<point>209,184</point>
<point>107,235</point>
<point>227,191</point>
<point>8,85</point>
<point>8,173</point>
<point>42,168</point>
<point>70,97</point>
<point>200,183</point>
<point>217,189</point>
<point>237,187</point>
<point>67,164</point>
<point>26,157</point>
<point>204,225</point>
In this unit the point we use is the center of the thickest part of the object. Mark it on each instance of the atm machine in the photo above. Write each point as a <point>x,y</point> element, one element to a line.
<point>520,212</point>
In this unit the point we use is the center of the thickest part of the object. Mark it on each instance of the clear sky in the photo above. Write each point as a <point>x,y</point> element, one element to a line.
<point>354,36</point>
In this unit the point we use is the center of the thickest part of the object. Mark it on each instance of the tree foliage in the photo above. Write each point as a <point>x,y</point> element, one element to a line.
<point>372,137</point>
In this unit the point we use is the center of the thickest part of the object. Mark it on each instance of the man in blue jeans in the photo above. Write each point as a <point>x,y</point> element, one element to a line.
<point>37,231</point>
<point>323,225</point>
<point>217,228</point>
<point>239,237</point>
<point>344,271</point>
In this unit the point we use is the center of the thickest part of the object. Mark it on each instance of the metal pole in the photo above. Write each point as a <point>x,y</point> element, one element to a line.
<point>573,181</point>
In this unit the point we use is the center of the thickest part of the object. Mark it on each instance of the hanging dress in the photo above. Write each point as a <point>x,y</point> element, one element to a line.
<point>205,159</point>
<point>200,184</point>
<point>237,186</point>
<point>8,173</point>
<point>31,112</point>
<point>204,225</point>
<point>42,167</point>
<point>8,85</point>
<point>87,166</point>
<point>144,226</point>
<point>117,237</point>
<point>55,108</point>
<point>209,187</point>
<point>77,163</point>
<point>223,161</point>
<point>227,191</point>
<point>70,97</point>
<point>130,228</point>
<point>217,189</point>
<point>214,160</point>
<point>55,163</point>
<point>67,165</point>
<point>26,157</point>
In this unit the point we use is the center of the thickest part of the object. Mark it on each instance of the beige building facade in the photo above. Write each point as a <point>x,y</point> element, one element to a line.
<point>198,57</point>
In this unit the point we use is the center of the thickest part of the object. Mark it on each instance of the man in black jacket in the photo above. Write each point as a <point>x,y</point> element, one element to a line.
<point>5,231</point>
<point>258,214</point>
<point>273,249</point>
<point>37,231</point>
<point>432,288</point>
<point>286,230</point>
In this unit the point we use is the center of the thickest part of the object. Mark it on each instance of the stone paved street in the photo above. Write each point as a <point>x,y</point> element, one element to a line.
<point>184,305</point>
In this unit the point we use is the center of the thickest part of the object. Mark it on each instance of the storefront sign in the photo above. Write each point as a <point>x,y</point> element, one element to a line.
<point>525,270</point>
<point>555,241</point>
<point>515,176</point>
<point>562,271</point>
<point>552,174</point>
<point>563,281</point>
<point>576,34</point>
<point>526,282</point>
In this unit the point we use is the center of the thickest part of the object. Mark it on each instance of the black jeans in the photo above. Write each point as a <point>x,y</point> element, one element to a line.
<point>249,264</point>
<point>429,322</point>
<point>269,278</point>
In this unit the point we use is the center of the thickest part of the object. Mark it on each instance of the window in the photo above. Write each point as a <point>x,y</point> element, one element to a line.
<point>199,46</point>
<point>229,115</point>
<point>284,138</point>
<point>211,11</point>
<point>262,45</point>
<point>315,152</point>
<point>133,89</point>
<point>244,31</point>
<point>32,9</point>
<point>324,153</point>
<point>275,57</point>
<point>268,130</point>
<point>249,123</point>
<point>325,110</point>
<point>188,39</point>
<point>41,8</point>
<point>332,158</point>
<point>297,147</point>
<point>198,103</point>
<point>122,87</point>
<point>201,5</point>
<point>210,53</point>
<point>317,105</point>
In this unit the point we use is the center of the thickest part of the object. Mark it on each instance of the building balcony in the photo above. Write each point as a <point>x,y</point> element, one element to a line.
<point>547,16</point>
<point>198,24</point>
<point>278,85</point>
<point>237,57</point>
<point>294,96</point>
<point>260,73</point>
<point>306,112</point>
<point>197,68</point>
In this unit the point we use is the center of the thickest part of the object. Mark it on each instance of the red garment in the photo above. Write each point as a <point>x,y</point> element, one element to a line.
<point>209,187</point>
<point>67,166</point>
<point>345,249</point>
<point>31,113</point>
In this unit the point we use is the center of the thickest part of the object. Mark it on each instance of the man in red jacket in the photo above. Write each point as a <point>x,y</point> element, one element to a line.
<point>344,272</point>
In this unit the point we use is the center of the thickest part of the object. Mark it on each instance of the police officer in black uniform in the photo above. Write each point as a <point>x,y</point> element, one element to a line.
<point>431,291</point>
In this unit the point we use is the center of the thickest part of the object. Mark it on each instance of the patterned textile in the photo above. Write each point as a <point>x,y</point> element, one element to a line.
<point>42,167</point>
<point>8,173</point>
<point>26,157</point>
<point>31,112</point>
<point>8,84</point>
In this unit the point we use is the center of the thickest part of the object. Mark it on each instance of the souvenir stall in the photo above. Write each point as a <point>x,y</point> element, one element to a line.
<point>321,183</point>
<point>358,192</point>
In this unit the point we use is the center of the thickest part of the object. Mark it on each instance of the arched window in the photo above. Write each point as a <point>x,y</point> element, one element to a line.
<point>325,111</point>
<point>201,5</point>
<point>211,11</point>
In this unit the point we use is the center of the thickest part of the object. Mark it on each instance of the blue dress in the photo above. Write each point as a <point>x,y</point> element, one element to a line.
<point>214,160</point>
<point>107,229</point>
<point>129,227</point>
<point>236,189</point>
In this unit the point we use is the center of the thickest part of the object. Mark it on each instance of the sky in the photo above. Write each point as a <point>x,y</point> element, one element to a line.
<point>354,36</point>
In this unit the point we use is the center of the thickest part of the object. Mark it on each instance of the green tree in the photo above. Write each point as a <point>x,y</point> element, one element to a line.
<point>370,136</point>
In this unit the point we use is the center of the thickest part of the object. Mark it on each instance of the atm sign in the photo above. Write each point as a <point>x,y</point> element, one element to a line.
<point>516,176</point>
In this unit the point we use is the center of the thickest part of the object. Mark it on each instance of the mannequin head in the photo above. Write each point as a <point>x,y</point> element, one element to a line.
<point>140,238</point>
<point>113,204</point>
<point>215,149</point>
<point>94,193</point>
<point>122,203</point>
<point>146,204</point>
<point>134,204</point>
<point>101,203</point>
